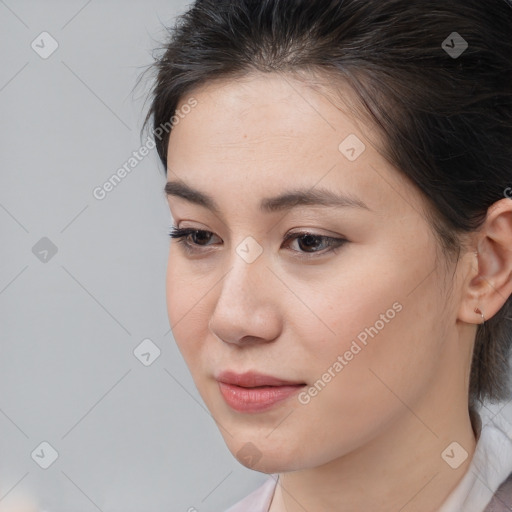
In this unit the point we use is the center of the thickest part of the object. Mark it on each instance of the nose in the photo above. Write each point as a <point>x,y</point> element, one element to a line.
<point>247,311</point>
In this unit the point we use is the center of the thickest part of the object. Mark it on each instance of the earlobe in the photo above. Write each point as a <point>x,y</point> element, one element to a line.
<point>490,283</point>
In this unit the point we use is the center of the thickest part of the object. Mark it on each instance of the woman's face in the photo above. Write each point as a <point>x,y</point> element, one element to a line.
<point>355,329</point>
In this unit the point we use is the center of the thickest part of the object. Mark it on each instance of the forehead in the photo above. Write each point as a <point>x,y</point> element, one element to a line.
<point>258,135</point>
<point>270,121</point>
<point>274,104</point>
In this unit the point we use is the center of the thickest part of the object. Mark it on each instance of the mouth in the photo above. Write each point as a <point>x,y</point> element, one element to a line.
<point>253,392</point>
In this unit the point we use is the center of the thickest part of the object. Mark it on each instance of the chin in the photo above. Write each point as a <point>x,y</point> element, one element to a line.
<point>269,464</point>
<point>265,455</point>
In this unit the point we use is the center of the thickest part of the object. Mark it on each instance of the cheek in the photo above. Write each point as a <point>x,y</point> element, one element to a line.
<point>185,306</point>
<point>174,291</point>
<point>346,315</point>
<point>351,400</point>
<point>378,340</point>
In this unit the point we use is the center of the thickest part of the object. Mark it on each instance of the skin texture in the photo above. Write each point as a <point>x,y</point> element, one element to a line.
<point>372,438</point>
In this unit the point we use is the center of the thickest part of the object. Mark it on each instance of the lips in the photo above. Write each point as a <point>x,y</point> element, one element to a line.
<point>255,392</point>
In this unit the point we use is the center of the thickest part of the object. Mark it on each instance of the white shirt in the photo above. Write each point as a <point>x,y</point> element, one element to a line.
<point>490,466</point>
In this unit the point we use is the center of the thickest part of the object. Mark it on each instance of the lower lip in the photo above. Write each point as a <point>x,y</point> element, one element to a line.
<point>256,399</point>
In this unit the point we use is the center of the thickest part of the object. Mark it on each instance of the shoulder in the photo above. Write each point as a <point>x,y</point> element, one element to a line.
<point>259,500</point>
<point>502,499</point>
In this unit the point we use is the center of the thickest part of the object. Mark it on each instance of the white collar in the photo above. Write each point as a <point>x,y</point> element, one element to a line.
<point>490,466</point>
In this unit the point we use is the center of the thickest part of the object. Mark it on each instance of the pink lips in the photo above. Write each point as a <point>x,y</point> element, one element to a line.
<point>254,392</point>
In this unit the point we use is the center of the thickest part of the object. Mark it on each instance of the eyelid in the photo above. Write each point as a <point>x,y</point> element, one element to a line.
<point>305,232</point>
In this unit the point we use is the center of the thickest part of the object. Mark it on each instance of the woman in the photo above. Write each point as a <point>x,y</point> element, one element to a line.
<point>339,173</point>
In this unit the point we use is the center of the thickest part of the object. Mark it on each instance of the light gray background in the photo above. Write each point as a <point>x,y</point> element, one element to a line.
<point>129,437</point>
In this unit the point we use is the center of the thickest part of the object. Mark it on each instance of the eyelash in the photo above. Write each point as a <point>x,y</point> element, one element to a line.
<point>181,235</point>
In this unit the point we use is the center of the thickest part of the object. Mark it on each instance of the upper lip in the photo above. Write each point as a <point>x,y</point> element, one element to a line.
<point>253,379</point>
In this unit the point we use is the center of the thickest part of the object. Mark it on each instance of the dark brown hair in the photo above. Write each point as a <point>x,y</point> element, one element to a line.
<point>444,109</point>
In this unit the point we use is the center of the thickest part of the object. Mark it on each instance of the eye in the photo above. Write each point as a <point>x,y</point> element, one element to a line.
<point>198,235</point>
<point>314,243</point>
<point>309,244</point>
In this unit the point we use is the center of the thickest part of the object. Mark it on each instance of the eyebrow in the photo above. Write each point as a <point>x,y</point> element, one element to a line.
<point>285,201</point>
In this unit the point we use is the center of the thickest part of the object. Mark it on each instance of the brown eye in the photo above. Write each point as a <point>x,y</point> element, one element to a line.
<point>199,237</point>
<point>311,243</point>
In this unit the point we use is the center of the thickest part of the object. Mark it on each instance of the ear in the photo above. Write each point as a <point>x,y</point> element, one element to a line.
<point>490,280</point>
